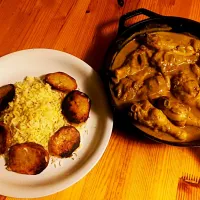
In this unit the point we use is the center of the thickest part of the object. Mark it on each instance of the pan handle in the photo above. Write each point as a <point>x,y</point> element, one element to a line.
<point>141,11</point>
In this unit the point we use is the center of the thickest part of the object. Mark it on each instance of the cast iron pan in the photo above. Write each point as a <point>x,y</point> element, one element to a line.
<point>154,21</point>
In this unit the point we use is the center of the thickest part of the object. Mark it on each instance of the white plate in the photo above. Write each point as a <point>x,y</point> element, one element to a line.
<point>94,139</point>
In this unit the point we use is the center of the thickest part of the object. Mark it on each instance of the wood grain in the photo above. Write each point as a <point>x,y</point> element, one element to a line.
<point>132,167</point>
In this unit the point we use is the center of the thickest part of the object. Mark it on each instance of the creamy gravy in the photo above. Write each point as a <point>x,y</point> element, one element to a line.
<point>170,39</point>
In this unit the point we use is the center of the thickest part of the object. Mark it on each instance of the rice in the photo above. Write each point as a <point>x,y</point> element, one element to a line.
<point>35,113</point>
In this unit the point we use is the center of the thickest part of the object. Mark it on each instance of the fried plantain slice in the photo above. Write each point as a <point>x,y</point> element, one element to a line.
<point>64,142</point>
<point>27,158</point>
<point>5,138</point>
<point>76,106</point>
<point>61,81</point>
<point>7,93</point>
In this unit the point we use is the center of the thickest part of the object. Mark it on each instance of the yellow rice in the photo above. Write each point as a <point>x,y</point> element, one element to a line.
<point>35,113</point>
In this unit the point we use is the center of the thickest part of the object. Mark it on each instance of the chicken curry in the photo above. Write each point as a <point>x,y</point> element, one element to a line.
<point>156,76</point>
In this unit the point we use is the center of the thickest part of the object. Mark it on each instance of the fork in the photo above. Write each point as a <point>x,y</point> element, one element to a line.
<point>188,187</point>
<point>188,178</point>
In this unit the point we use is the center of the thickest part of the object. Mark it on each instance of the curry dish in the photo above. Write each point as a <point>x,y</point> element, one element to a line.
<point>156,77</point>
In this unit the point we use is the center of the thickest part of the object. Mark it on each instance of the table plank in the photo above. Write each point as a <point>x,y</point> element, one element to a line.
<point>132,167</point>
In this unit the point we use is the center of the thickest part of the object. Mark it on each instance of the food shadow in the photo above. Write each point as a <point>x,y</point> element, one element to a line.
<point>104,35</point>
<point>96,57</point>
<point>124,128</point>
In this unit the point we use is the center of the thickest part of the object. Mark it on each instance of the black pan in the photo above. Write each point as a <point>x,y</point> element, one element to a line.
<point>153,22</point>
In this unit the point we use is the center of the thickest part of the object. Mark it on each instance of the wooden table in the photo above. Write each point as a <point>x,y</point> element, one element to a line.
<point>132,167</point>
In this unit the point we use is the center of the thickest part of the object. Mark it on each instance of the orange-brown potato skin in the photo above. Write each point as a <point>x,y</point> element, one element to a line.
<point>7,93</point>
<point>64,142</point>
<point>76,107</point>
<point>61,81</point>
<point>27,158</point>
<point>5,138</point>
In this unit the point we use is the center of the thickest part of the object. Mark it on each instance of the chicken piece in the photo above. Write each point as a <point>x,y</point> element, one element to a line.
<point>146,114</point>
<point>195,44</point>
<point>164,42</point>
<point>183,50</point>
<point>185,87</point>
<point>160,42</point>
<point>196,70</point>
<point>177,112</point>
<point>5,138</point>
<point>7,93</point>
<point>76,107</point>
<point>64,142</point>
<point>135,62</point>
<point>127,88</point>
<point>166,62</point>
<point>27,158</point>
<point>61,81</point>
<point>153,88</point>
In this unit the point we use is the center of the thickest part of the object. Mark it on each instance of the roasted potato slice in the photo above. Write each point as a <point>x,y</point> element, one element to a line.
<point>64,142</point>
<point>27,158</point>
<point>4,138</point>
<point>7,93</point>
<point>76,106</point>
<point>61,81</point>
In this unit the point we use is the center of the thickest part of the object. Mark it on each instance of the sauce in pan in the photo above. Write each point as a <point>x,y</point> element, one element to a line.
<point>156,76</point>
